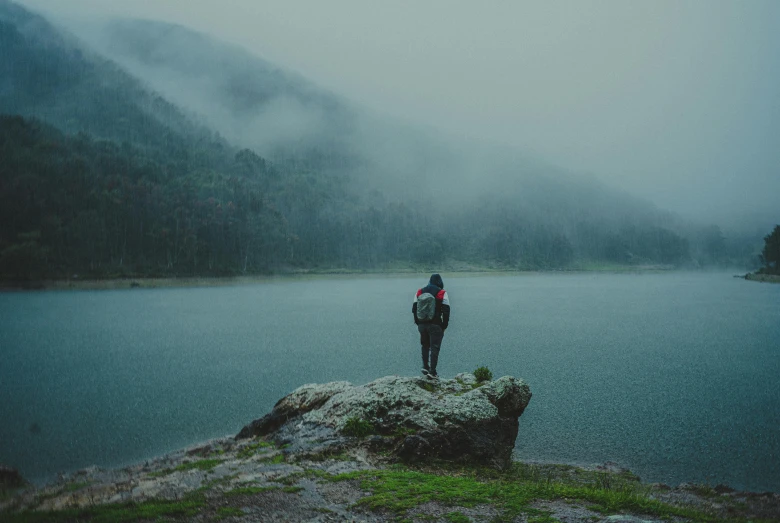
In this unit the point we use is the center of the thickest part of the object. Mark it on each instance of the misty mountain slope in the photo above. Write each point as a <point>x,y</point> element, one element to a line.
<point>250,101</point>
<point>148,192</point>
<point>47,74</point>
<point>285,117</point>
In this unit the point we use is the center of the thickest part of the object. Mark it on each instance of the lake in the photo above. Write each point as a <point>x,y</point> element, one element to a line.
<point>672,375</point>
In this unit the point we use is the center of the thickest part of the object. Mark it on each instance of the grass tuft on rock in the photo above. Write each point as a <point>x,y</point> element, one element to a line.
<point>483,374</point>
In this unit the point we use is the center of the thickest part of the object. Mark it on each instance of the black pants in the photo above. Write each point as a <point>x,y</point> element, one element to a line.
<point>431,336</point>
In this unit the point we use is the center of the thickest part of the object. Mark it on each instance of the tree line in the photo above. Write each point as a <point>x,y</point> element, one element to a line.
<point>77,205</point>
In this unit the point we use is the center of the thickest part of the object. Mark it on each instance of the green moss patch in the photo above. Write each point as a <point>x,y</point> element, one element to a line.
<point>273,460</point>
<point>402,432</point>
<point>457,517</point>
<point>227,512</point>
<point>426,385</point>
<point>358,427</point>
<point>253,448</point>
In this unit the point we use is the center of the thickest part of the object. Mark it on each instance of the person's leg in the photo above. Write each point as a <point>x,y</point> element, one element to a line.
<point>435,336</point>
<point>425,343</point>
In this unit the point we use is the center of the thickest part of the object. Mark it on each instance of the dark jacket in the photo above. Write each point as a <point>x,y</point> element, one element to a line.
<point>436,288</point>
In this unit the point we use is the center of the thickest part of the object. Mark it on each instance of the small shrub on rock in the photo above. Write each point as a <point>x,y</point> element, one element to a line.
<point>358,427</point>
<point>483,374</point>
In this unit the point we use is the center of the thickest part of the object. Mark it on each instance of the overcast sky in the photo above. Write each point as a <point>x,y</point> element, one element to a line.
<point>678,101</point>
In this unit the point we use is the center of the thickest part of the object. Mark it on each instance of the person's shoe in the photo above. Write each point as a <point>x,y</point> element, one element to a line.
<point>432,375</point>
<point>426,371</point>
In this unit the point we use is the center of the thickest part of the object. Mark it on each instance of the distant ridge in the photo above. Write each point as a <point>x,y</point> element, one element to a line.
<point>49,74</point>
<point>179,155</point>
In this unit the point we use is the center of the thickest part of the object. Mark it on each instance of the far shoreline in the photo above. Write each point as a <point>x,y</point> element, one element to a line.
<point>762,278</point>
<point>145,282</point>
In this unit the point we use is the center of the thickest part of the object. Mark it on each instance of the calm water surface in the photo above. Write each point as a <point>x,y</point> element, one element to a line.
<point>672,375</point>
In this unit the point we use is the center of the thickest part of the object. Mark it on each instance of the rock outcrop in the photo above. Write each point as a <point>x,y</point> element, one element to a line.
<point>415,419</point>
<point>10,478</point>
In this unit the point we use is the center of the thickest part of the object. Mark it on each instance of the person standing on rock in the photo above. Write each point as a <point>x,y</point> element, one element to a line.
<point>431,311</point>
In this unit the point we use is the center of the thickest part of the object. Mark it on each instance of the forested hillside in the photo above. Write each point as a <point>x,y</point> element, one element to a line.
<point>102,176</point>
<point>75,205</point>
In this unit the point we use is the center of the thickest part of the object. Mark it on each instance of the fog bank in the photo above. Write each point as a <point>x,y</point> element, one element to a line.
<point>672,101</point>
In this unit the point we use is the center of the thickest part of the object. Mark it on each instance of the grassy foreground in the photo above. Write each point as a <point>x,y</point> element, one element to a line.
<point>399,490</point>
<point>512,492</point>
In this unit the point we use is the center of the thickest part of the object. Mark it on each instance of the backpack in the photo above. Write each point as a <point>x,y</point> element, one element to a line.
<point>426,306</point>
